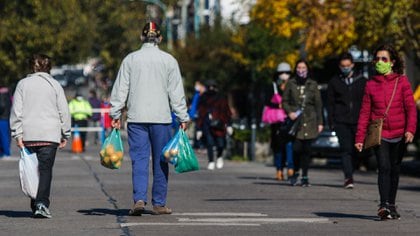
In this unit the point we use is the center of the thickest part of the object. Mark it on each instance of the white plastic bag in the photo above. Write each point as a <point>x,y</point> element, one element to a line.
<point>29,173</point>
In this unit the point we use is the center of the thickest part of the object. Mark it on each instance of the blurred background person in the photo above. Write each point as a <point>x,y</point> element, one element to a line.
<point>281,141</point>
<point>388,95</point>
<point>199,89</point>
<point>301,97</point>
<point>95,119</point>
<point>80,111</point>
<point>5,106</point>
<point>40,122</point>
<point>213,123</point>
<point>105,118</point>
<point>345,93</point>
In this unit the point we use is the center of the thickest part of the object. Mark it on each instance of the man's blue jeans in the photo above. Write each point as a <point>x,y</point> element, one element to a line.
<point>147,139</point>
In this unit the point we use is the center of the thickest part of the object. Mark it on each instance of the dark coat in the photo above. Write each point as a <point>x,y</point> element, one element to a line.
<point>216,105</point>
<point>279,132</point>
<point>312,112</point>
<point>344,101</point>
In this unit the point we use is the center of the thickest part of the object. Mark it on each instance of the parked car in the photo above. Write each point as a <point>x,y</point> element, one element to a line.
<point>75,77</point>
<point>69,77</point>
<point>62,80</point>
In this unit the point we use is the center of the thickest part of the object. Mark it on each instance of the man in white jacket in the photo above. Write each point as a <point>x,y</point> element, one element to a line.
<point>149,84</point>
<point>40,122</point>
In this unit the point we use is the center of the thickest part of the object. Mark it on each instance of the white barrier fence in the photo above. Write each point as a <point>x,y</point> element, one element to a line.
<point>101,128</point>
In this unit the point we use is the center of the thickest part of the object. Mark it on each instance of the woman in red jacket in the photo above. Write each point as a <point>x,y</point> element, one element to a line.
<point>399,124</point>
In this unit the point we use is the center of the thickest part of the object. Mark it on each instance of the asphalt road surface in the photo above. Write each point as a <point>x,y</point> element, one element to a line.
<point>240,199</point>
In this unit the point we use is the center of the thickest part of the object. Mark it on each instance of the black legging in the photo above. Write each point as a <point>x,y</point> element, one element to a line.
<point>302,155</point>
<point>389,157</point>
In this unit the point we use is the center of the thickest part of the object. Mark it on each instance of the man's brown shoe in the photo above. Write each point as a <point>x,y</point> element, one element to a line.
<point>138,209</point>
<point>160,210</point>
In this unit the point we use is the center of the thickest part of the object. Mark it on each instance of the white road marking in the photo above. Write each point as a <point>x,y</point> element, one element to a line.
<point>238,214</point>
<point>257,220</point>
<point>186,224</point>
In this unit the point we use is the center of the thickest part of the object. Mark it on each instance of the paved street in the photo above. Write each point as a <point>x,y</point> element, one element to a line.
<point>240,199</point>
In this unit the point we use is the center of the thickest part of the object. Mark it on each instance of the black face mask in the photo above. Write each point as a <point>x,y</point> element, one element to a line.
<point>300,80</point>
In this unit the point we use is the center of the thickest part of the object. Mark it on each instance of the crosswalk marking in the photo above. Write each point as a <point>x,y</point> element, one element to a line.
<point>186,224</point>
<point>238,214</point>
<point>256,220</point>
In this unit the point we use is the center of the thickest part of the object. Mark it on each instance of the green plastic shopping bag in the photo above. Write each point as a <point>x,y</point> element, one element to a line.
<point>186,160</point>
<point>112,151</point>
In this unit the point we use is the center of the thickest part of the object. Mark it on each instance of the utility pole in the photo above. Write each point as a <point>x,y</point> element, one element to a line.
<point>197,13</point>
<point>184,19</point>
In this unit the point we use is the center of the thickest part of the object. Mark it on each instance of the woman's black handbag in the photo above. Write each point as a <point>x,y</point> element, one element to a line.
<point>290,127</point>
<point>295,126</point>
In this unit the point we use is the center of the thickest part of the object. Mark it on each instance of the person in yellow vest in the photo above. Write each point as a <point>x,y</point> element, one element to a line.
<point>81,111</point>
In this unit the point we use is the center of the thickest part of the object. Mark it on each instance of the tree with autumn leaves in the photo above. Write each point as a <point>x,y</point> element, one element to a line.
<point>73,30</point>
<point>323,28</point>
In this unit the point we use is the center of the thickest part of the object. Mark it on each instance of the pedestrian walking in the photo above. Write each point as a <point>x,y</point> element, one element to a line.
<point>95,119</point>
<point>388,96</point>
<point>149,82</point>
<point>40,122</point>
<point>301,97</point>
<point>5,106</point>
<point>281,141</point>
<point>81,111</point>
<point>106,121</point>
<point>199,89</point>
<point>345,93</point>
<point>214,123</point>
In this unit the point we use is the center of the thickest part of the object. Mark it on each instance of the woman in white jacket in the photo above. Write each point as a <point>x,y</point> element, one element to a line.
<point>40,121</point>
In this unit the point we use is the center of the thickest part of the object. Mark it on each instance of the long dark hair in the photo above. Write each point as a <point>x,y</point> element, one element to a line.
<point>40,63</point>
<point>307,65</point>
<point>398,62</point>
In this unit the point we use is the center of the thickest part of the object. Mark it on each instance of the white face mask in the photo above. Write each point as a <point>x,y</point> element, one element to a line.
<point>284,76</point>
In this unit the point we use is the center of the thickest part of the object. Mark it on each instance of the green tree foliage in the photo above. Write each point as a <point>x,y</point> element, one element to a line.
<point>382,22</point>
<point>56,28</point>
<point>70,31</point>
<point>206,57</point>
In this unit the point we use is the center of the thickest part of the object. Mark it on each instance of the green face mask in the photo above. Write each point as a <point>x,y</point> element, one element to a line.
<point>383,67</point>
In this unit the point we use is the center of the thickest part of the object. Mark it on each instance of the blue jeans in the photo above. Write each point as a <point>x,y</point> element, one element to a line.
<point>4,138</point>
<point>287,151</point>
<point>145,139</point>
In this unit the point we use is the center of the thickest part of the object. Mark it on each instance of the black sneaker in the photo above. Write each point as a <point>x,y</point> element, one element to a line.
<point>42,211</point>
<point>348,184</point>
<point>304,182</point>
<point>384,213</point>
<point>393,212</point>
<point>293,180</point>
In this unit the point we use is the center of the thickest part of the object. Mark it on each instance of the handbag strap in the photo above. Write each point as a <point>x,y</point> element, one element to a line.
<point>276,91</point>
<point>56,93</point>
<point>392,98</point>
